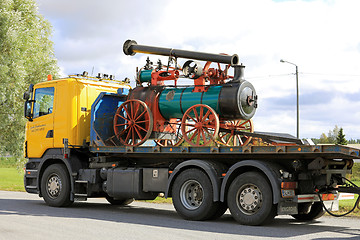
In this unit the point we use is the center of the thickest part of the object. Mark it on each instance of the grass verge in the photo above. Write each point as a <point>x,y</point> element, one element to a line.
<point>11,179</point>
<point>160,200</point>
<point>8,162</point>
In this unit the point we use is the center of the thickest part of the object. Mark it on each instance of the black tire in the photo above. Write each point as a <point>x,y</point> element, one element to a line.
<point>315,212</point>
<point>55,186</point>
<point>192,195</point>
<point>119,202</point>
<point>250,199</point>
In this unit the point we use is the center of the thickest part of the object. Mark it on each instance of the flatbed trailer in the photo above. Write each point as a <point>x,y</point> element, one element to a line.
<point>258,181</point>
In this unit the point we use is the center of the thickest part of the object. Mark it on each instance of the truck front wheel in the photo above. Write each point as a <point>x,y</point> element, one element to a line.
<point>250,199</point>
<point>193,195</point>
<point>55,186</point>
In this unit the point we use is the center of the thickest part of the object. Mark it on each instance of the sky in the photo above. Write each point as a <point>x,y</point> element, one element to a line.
<point>321,37</point>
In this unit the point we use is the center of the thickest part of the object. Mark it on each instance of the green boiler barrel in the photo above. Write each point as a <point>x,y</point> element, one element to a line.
<point>173,102</point>
<point>233,100</point>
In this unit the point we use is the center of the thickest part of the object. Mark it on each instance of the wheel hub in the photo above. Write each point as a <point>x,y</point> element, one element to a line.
<point>191,194</point>
<point>249,199</point>
<point>54,186</point>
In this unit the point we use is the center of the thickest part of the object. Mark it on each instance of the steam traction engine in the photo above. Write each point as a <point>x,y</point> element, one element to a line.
<point>215,108</point>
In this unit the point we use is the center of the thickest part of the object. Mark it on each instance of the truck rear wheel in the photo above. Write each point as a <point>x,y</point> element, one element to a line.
<point>55,186</point>
<point>193,195</point>
<point>250,199</point>
<point>315,212</point>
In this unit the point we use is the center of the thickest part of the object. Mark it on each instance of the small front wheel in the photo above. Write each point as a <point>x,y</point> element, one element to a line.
<point>250,199</point>
<point>193,195</point>
<point>55,186</point>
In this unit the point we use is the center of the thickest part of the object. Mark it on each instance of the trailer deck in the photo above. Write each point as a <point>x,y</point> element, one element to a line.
<point>246,152</point>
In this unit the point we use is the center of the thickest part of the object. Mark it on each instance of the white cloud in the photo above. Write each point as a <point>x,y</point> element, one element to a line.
<point>321,37</point>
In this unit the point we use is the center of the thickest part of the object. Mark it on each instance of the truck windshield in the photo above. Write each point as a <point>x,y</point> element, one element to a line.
<point>44,101</point>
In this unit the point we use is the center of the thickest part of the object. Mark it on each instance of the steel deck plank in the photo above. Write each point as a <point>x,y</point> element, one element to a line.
<point>246,152</point>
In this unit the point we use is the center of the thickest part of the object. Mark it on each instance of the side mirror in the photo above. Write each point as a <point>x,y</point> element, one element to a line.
<point>27,110</point>
<point>29,103</point>
<point>28,93</point>
<point>26,96</point>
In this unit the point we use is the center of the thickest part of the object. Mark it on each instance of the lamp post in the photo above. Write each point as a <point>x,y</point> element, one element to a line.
<point>297,95</point>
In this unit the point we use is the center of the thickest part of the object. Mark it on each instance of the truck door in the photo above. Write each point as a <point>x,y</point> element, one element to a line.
<point>40,132</point>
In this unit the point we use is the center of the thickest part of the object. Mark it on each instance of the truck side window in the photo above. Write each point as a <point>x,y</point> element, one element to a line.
<point>44,101</point>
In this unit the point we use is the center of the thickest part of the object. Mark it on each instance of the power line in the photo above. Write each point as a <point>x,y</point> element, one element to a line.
<point>304,73</point>
<point>273,75</point>
<point>335,74</point>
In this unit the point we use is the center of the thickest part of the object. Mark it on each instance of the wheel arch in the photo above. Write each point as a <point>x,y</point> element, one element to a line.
<point>270,170</point>
<point>212,169</point>
<point>55,156</point>
<point>48,162</point>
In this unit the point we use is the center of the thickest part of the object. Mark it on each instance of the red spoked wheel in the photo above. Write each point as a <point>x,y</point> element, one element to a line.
<point>133,122</point>
<point>200,125</point>
<point>230,138</point>
<point>173,129</point>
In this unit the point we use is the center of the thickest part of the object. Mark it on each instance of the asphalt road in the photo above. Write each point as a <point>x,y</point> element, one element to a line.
<point>25,216</point>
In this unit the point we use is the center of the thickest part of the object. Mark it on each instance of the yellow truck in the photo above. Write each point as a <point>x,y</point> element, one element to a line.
<point>73,154</point>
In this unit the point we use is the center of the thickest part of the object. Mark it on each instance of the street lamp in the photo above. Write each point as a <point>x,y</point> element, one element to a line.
<point>297,95</point>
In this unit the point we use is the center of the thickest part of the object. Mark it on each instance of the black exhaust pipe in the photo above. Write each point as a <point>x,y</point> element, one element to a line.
<point>131,48</point>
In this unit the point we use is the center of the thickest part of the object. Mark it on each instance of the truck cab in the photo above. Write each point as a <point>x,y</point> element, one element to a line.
<point>58,109</point>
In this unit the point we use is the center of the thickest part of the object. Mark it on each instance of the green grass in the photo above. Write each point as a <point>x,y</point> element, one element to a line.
<point>160,200</point>
<point>355,176</point>
<point>11,179</point>
<point>8,162</point>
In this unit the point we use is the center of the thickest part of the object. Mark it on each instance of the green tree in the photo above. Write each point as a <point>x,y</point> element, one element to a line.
<point>26,57</point>
<point>323,138</point>
<point>340,139</point>
<point>333,134</point>
<point>330,138</point>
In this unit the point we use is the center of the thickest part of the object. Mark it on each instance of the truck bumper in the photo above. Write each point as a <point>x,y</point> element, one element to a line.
<point>31,177</point>
<point>290,206</point>
<point>30,181</point>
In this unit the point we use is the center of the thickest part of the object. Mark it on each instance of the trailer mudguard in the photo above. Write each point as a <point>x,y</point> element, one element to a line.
<point>212,169</point>
<point>270,170</point>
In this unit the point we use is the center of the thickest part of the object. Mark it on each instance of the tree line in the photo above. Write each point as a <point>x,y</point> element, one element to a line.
<point>335,136</point>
